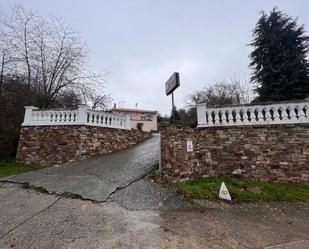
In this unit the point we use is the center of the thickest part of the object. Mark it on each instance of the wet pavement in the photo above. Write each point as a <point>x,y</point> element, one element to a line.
<point>35,220</point>
<point>129,211</point>
<point>96,178</point>
<point>120,176</point>
<point>145,195</point>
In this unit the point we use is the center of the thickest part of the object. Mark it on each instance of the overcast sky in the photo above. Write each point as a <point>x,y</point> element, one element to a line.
<point>141,42</point>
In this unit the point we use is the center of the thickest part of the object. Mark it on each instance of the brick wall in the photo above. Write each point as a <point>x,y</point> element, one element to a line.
<point>54,145</point>
<point>272,152</point>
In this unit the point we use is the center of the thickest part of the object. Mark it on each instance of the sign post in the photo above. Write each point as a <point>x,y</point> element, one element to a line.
<point>172,83</point>
<point>173,108</point>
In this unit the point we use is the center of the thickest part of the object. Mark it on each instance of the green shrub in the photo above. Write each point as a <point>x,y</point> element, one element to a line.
<point>244,190</point>
<point>8,143</point>
<point>139,126</point>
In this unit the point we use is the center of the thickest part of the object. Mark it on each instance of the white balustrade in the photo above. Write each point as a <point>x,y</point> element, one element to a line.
<point>81,116</point>
<point>277,113</point>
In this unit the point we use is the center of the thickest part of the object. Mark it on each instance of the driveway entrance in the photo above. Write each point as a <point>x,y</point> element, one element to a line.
<point>119,176</point>
<point>99,177</point>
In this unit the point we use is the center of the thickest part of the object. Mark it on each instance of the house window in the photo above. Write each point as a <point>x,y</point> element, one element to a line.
<point>146,118</point>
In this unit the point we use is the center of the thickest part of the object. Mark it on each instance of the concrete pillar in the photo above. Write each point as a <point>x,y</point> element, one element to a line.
<point>82,114</point>
<point>28,118</point>
<point>201,115</point>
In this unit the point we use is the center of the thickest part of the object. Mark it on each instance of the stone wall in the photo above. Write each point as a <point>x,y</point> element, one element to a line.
<point>272,152</point>
<point>55,145</point>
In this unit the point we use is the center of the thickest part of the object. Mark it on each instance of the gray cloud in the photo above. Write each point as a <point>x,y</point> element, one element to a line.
<point>141,42</point>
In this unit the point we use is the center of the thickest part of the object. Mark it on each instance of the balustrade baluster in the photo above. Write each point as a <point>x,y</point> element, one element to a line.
<point>237,116</point>
<point>258,115</point>
<point>276,114</point>
<point>252,116</point>
<point>216,117</point>
<point>267,115</point>
<point>223,117</point>
<point>245,116</point>
<point>301,114</point>
<point>293,116</point>
<point>284,114</point>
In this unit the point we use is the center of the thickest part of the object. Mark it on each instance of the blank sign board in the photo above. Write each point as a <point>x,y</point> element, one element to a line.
<point>172,83</point>
<point>189,146</point>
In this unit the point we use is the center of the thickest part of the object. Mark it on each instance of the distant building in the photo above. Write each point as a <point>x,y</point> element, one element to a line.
<point>146,118</point>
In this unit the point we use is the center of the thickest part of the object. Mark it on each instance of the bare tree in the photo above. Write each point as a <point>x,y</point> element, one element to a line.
<point>3,63</point>
<point>223,92</point>
<point>245,89</point>
<point>100,102</point>
<point>49,55</point>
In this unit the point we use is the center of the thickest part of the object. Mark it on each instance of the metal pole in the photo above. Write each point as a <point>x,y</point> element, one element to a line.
<point>173,108</point>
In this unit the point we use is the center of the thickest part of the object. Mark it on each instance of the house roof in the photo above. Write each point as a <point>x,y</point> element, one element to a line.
<point>135,110</point>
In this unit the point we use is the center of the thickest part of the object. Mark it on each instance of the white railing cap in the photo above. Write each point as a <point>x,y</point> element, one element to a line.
<point>31,107</point>
<point>283,112</point>
<point>200,104</point>
<point>268,103</point>
<point>82,115</point>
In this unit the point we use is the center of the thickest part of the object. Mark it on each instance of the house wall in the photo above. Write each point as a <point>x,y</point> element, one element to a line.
<point>55,145</point>
<point>270,152</point>
<point>136,117</point>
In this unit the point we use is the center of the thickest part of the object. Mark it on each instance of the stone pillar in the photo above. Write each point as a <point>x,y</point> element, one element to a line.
<point>201,115</point>
<point>28,119</point>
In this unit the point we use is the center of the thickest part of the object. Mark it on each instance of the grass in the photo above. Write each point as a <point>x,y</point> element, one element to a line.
<point>244,190</point>
<point>11,167</point>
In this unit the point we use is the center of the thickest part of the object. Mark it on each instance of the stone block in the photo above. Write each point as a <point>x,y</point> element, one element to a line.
<point>265,152</point>
<point>50,145</point>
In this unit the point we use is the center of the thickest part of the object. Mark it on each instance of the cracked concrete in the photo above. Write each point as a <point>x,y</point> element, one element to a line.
<point>119,175</point>
<point>34,220</point>
<point>145,195</point>
<point>99,177</point>
<point>135,213</point>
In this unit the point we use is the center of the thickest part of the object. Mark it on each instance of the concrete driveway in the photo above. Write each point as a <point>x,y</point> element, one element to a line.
<point>97,178</point>
<point>118,176</point>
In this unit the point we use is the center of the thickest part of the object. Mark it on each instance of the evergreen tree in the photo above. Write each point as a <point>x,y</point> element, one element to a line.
<point>279,63</point>
<point>174,114</point>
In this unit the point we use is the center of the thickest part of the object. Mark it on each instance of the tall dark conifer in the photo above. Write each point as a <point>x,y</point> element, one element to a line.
<point>279,59</point>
